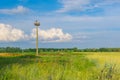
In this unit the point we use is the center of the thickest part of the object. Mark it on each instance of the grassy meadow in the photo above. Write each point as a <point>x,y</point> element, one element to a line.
<point>60,66</point>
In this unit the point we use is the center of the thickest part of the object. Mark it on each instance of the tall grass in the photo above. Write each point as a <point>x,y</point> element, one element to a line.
<point>55,67</point>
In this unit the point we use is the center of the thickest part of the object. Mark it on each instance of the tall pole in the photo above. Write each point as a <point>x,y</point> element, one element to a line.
<point>36,40</point>
<point>37,24</point>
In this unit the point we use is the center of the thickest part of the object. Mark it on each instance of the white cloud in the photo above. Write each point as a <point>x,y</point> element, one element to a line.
<point>82,5</point>
<point>10,34</point>
<point>17,10</point>
<point>52,35</point>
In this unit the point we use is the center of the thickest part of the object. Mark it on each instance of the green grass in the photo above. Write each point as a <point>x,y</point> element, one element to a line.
<point>56,66</point>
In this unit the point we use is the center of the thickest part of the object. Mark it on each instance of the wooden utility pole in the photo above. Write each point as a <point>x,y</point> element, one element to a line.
<point>37,24</point>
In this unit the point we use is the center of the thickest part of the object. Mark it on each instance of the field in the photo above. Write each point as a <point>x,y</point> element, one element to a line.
<point>60,66</point>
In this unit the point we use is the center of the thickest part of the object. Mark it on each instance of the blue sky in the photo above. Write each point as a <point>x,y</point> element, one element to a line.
<point>64,23</point>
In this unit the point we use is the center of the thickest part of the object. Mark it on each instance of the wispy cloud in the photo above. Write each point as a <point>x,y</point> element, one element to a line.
<point>22,0</point>
<point>70,5</point>
<point>80,37</point>
<point>17,10</point>
<point>52,35</point>
<point>83,5</point>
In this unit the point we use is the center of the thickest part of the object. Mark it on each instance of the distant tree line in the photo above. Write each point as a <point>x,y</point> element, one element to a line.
<point>19,50</point>
<point>10,49</point>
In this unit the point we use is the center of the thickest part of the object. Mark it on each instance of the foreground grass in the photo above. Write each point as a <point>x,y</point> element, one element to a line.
<point>75,66</point>
<point>105,57</point>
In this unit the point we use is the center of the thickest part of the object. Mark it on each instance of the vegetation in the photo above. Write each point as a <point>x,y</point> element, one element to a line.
<point>60,66</point>
<point>19,50</point>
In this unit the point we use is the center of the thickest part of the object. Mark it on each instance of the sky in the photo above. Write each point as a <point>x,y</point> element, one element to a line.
<point>63,23</point>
